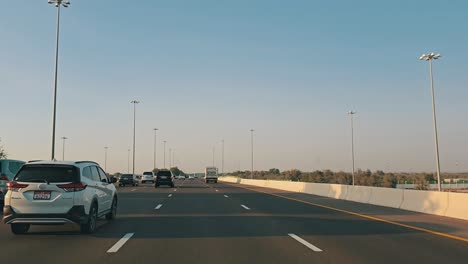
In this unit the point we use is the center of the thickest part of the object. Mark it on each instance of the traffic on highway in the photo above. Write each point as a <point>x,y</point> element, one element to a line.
<point>233,132</point>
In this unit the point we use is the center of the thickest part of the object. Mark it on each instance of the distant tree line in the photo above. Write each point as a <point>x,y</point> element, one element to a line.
<point>376,178</point>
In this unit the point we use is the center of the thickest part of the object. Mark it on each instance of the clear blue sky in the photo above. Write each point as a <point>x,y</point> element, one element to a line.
<point>208,70</point>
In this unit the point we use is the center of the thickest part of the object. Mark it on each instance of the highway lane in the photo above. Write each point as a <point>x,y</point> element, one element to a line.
<point>206,223</point>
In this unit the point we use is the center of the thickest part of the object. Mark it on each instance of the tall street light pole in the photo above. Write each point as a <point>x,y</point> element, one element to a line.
<point>63,147</point>
<point>213,152</point>
<point>165,153</point>
<point>128,160</point>
<point>155,141</point>
<point>222,157</point>
<point>134,102</point>
<point>105,158</point>
<point>57,4</point>
<point>351,115</point>
<point>252,154</point>
<point>430,57</point>
<point>170,158</point>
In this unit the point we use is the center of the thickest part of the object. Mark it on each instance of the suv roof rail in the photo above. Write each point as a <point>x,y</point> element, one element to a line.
<point>34,161</point>
<point>86,161</point>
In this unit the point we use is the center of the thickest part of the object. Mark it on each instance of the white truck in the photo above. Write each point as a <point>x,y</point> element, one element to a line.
<point>211,174</point>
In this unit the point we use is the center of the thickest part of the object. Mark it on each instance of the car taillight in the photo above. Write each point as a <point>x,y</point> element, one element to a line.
<point>73,187</point>
<point>14,186</point>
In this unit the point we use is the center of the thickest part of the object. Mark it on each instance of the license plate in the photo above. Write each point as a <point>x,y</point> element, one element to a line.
<point>163,177</point>
<point>41,195</point>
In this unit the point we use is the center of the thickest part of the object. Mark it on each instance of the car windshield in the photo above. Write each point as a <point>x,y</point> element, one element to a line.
<point>211,173</point>
<point>148,173</point>
<point>48,174</point>
<point>164,173</point>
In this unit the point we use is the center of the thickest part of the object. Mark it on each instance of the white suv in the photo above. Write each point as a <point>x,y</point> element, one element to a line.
<point>59,192</point>
<point>148,176</point>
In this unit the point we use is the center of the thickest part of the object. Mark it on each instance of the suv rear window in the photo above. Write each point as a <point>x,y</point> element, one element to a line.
<point>48,173</point>
<point>127,176</point>
<point>148,173</point>
<point>164,173</point>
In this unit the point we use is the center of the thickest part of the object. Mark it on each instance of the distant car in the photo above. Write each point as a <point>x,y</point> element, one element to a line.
<point>180,177</point>
<point>128,179</point>
<point>58,192</point>
<point>164,177</point>
<point>8,169</point>
<point>148,176</point>
<point>191,177</point>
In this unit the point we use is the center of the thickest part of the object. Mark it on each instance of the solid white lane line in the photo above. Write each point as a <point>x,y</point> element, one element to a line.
<point>226,196</point>
<point>158,206</point>
<point>305,243</point>
<point>245,207</point>
<point>120,243</point>
<point>169,195</point>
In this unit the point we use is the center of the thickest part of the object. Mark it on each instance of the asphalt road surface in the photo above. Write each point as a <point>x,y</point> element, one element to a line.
<point>225,223</point>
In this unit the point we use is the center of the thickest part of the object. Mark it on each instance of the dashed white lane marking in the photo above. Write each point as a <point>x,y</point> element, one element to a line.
<point>169,195</point>
<point>133,190</point>
<point>245,207</point>
<point>158,206</point>
<point>217,190</point>
<point>120,243</point>
<point>305,243</point>
<point>226,196</point>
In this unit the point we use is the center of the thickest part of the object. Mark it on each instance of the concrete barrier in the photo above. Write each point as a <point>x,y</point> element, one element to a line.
<point>386,197</point>
<point>320,189</point>
<point>361,194</point>
<point>338,191</point>
<point>457,205</point>
<point>425,201</point>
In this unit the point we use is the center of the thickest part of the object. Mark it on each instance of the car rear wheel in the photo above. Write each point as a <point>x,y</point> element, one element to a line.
<point>113,213</point>
<point>19,229</point>
<point>90,226</point>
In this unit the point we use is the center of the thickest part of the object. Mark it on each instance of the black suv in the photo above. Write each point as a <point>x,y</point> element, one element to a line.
<point>164,177</point>
<point>128,179</point>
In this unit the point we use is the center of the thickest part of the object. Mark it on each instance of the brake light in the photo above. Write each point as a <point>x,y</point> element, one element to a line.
<point>73,187</point>
<point>14,186</point>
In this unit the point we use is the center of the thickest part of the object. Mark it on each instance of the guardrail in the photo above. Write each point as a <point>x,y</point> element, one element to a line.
<point>431,202</point>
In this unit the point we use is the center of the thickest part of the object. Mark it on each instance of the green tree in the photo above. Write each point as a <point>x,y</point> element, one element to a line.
<point>3,154</point>
<point>274,171</point>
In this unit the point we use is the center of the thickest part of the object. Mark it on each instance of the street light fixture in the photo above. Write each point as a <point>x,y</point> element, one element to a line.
<point>57,3</point>
<point>351,114</point>
<point>134,102</point>
<point>430,57</point>
<point>63,147</point>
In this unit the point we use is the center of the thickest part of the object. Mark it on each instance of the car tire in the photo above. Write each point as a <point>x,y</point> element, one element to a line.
<point>19,229</point>
<point>113,213</point>
<point>90,226</point>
